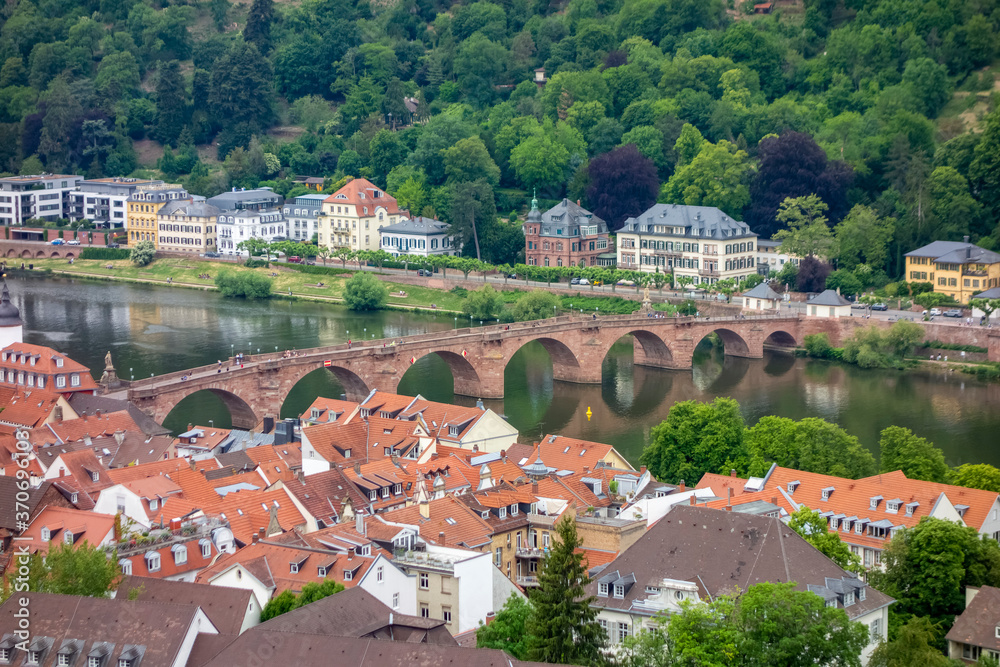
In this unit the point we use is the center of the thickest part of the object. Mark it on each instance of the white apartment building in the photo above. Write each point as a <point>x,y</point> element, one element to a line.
<point>701,242</point>
<point>771,258</point>
<point>236,226</point>
<point>301,214</point>
<point>104,201</point>
<point>353,216</point>
<point>419,236</point>
<point>45,196</point>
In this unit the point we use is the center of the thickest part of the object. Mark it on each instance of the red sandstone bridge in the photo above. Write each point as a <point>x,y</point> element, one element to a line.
<point>477,358</point>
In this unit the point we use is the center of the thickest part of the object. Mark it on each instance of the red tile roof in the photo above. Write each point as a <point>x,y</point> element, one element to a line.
<point>324,494</point>
<point>18,356</point>
<point>30,407</point>
<point>249,511</point>
<point>461,526</point>
<point>77,429</point>
<point>91,527</point>
<point>169,567</point>
<point>88,473</point>
<point>562,453</point>
<point>363,193</point>
<point>119,475</point>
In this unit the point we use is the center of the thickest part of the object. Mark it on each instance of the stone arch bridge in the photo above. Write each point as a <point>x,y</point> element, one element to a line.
<point>477,358</point>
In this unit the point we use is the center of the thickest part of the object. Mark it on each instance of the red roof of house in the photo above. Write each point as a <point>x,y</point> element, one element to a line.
<point>93,426</point>
<point>562,453</point>
<point>461,526</point>
<point>87,472</point>
<point>363,193</point>
<point>18,356</point>
<point>169,567</point>
<point>29,407</point>
<point>85,526</point>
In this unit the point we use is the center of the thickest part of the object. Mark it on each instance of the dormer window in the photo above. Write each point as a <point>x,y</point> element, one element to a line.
<point>911,508</point>
<point>321,571</point>
<point>46,534</point>
<point>874,501</point>
<point>848,599</point>
<point>792,486</point>
<point>602,590</point>
<point>892,506</point>
<point>293,568</point>
<point>861,593</point>
<point>825,493</point>
<point>206,548</point>
<point>486,514</point>
<point>154,503</point>
<point>619,591</point>
<point>153,561</point>
<point>503,512</point>
<point>348,575</point>
<point>372,496</point>
<point>314,414</point>
<point>397,489</point>
<point>385,492</point>
<point>68,537</point>
<point>59,362</point>
<point>513,509</point>
<point>452,430</point>
<point>180,554</point>
<point>95,476</point>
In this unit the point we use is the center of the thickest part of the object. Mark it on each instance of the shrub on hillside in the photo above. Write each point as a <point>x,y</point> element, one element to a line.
<point>365,292</point>
<point>245,284</point>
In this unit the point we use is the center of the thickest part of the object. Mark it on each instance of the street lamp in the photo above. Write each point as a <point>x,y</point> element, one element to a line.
<point>232,349</point>
<point>211,423</point>
<point>456,321</point>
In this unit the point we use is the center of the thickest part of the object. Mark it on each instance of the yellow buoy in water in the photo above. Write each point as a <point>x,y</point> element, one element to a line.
<point>589,413</point>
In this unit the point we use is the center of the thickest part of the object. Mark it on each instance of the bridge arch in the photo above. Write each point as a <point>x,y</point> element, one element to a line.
<point>467,381</point>
<point>40,254</point>
<point>325,381</point>
<point>25,254</point>
<point>241,414</point>
<point>565,363</point>
<point>733,343</point>
<point>11,252</point>
<point>780,338</point>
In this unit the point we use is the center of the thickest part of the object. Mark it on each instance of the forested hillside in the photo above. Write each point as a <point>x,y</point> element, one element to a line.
<point>882,108</point>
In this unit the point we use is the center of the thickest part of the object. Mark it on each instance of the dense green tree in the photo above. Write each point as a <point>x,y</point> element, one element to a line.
<point>540,162</point>
<point>811,444</point>
<point>170,103</point>
<point>468,160</point>
<point>562,626</point>
<point>953,210</point>
<point>258,28</point>
<point>484,303</point>
<point>142,253</point>
<point>696,438</point>
<point>900,449</point>
<point>280,604</point>
<point>240,90</point>
<point>472,207</point>
<point>806,233</point>
<point>927,567</point>
<point>441,132</point>
<point>715,177</point>
<point>812,527</point>
<point>535,305</point>
<point>913,645</point>
<point>243,284</point>
<point>507,630</point>
<point>387,151</point>
<point>363,291</point>
<point>621,184</point>
<point>69,569</point>
<point>863,237</point>
<point>929,84</point>
<point>976,476</point>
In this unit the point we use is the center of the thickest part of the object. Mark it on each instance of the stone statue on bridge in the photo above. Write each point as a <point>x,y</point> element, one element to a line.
<point>109,380</point>
<point>647,305</point>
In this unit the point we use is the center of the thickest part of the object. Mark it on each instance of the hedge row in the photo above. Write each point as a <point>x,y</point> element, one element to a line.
<point>104,253</point>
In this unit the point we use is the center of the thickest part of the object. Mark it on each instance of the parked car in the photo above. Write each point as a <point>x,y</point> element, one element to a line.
<point>626,283</point>
<point>72,242</point>
<point>272,258</point>
<point>857,304</point>
<point>584,281</point>
<point>421,273</point>
<point>954,312</point>
<point>879,306</point>
<point>213,254</point>
<point>57,242</point>
<point>295,259</point>
<point>935,312</point>
<point>574,281</point>
<point>114,245</point>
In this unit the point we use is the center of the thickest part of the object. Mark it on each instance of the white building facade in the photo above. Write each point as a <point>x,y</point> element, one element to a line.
<point>699,242</point>
<point>418,236</point>
<point>44,197</point>
<point>236,226</point>
<point>301,214</point>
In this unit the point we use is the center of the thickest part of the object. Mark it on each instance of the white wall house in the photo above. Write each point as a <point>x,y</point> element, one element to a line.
<point>236,226</point>
<point>391,586</point>
<point>419,236</point>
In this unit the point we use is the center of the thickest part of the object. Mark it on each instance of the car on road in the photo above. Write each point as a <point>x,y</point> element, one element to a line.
<point>72,242</point>
<point>295,259</point>
<point>421,273</point>
<point>935,312</point>
<point>114,245</point>
<point>272,258</point>
<point>574,281</point>
<point>879,306</point>
<point>858,305</point>
<point>954,312</point>
<point>57,242</point>
<point>584,281</point>
<point>626,283</point>
<point>212,254</point>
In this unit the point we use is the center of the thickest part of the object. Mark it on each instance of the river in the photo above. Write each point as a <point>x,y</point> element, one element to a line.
<point>152,330</point>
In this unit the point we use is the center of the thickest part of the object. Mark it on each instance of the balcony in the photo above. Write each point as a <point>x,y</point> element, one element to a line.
<point>974,273</point>
<point>708,272</point>
<point>531,552</point>
<point>527,581</point>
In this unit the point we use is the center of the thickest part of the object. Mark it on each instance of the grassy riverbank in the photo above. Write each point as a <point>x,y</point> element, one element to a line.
<point>185,272</point>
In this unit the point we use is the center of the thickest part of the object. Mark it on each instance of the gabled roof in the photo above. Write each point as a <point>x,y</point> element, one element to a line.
<point>11,505</point>
<point>563,453</point>
<point>89,404</point>
<point>724,552</point>
<point>249,511</point>
<point>762,291</point>
<point>29,407</point>
<point>323,494</point>
<point>45,363</point>
<point>85,526</point>
<point>357,613</point>
<point>697,222</point>
<point>119,475</point>
<point>83,466</point>
<point>461,526</point>
<point>954,252</point>
<point>828,298</point>
<point>326,406</point>
<point>225,607</point>
<point>362,192</point>
<point>168,565</point>
<point>978,624</point>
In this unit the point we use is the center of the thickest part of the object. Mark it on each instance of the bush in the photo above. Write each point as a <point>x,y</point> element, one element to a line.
<point>255,263</point>
<point>535,305</point>
<point>818,346</point>
<point>938,345</point>
<point>105,253</point>
<point>484,304</point>
<point>610,305</point>
<point>365,292</point>
<point>246,284</point>
<point>143,252</point>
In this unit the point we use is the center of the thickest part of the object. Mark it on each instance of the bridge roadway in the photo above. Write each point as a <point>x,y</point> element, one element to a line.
<point>477,357</point>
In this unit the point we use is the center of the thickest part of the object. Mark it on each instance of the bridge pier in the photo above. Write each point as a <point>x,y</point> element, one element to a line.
<point>584,374</point>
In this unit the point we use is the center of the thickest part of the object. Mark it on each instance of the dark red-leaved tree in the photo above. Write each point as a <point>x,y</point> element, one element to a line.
<point>793,165</point>
<point>812,275</point>
<point>623,183</point>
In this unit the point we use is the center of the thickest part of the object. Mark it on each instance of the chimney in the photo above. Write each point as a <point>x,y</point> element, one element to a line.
<point>441,537</point>
<point>577,202</point>
<point>58,413</point>
<point>774,500</point>
<point>254,538</point>
<point>97,413</point>
<point>534,487</point>
<point>191,464</point>
<point>301,476</point>
<point>260,532</point>
<point>359,523</point>
<point>729,497</point>
<point>694,500</point>
<point>425,508</point>
<point>965,239</point>
<point>729,508</point>
<point>475,449</point>
<point>350,554</point>
<point>190,425</point>
<point>732,472</point>
<point>642,470</point>
<point>682,488</point>
<point>357,467</point>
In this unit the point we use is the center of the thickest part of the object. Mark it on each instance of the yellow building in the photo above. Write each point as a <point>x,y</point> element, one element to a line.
<point>143,206</point>
<point>959,270</point>
<point>353,215</point>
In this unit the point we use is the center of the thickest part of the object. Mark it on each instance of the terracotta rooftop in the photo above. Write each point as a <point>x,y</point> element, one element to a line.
<point>562,453</point>
<point>86,426</point>
<point>84,526</point>
<point>323,495</point>
<point>363,193</point>
<point>198,554</point>
<point>30,407</point>
<point>89,474</point>
<point>19,356</point>
<point>249,511</point>
<point>119,475</point>
<point>461,526</point>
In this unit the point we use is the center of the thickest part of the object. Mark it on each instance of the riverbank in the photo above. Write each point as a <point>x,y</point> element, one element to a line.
<point>188,273</point>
